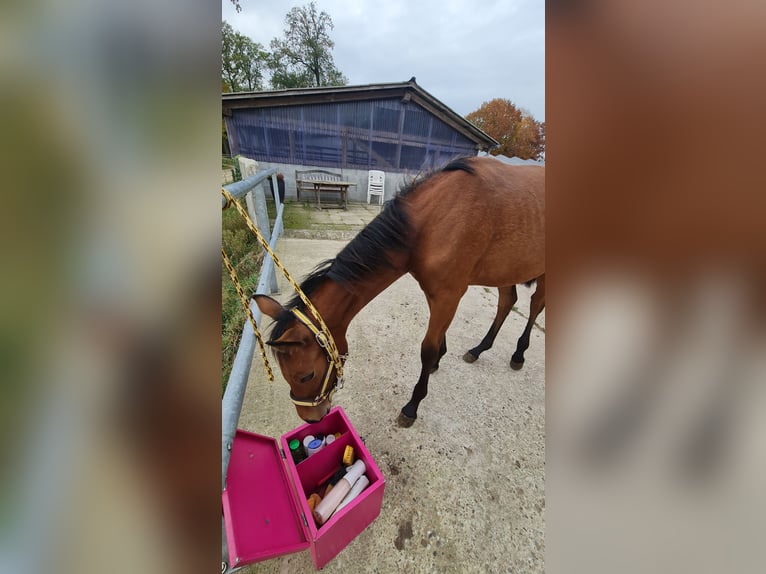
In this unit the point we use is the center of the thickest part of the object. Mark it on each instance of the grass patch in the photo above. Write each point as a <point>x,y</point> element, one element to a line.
<point>296,216</point>
<point>246,257</point>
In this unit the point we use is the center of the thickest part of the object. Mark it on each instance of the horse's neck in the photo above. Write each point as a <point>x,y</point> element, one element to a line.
<point>338,305</point>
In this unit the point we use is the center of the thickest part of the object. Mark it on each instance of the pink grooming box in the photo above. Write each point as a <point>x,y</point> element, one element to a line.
<point>265,507</point>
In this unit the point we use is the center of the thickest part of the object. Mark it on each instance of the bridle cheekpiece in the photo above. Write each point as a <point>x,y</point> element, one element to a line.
<point>334,361</point>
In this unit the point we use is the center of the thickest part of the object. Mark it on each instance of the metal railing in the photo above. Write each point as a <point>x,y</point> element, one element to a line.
<point>253,189</point>
<point>235,387</point>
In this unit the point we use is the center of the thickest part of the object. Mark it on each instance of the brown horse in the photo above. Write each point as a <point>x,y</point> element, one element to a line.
<point>476,221</point>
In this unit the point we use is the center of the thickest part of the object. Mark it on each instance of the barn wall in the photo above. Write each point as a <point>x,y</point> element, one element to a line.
<point>385,134</point>
<point>357,193</point>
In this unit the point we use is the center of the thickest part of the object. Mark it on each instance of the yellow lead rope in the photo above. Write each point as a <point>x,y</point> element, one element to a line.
<point>246,305</point>
<point>329,341</point>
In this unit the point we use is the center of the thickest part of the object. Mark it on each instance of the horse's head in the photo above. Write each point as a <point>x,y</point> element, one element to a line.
<point>305,365</point>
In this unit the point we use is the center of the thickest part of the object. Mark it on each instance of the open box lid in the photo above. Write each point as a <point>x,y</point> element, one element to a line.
<point>261,515</point>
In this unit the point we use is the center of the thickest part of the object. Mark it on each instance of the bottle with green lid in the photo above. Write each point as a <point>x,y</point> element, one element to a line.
<point>296,451</point>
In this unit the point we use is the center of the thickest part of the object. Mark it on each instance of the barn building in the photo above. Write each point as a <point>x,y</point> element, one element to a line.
<point>398,128</point>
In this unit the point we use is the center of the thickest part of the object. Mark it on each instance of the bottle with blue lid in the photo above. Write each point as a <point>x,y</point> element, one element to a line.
<point>315,446</point>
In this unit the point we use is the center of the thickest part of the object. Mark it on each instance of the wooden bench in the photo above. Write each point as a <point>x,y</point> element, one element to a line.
<point>318,181</point>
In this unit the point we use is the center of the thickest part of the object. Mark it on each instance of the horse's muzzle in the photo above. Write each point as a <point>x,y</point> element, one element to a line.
<point>314,414</point>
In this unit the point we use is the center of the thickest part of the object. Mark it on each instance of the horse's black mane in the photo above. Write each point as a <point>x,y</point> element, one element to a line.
<point>368,251</point>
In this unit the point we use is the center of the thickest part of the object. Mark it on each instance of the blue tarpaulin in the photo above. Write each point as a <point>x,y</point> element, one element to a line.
<point>385,134</point>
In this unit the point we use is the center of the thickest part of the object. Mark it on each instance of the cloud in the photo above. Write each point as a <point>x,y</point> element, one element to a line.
<point>462,52</point>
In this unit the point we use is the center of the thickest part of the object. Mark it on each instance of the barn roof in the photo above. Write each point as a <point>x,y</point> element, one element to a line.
<point>406,91</point>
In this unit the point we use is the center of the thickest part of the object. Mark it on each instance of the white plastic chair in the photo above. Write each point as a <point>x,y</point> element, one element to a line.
<point>376,184</point>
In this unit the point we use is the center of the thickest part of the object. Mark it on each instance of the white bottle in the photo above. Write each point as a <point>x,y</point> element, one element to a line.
<point>306,441</point>
<point>329,503</point>
<point>358,487</point>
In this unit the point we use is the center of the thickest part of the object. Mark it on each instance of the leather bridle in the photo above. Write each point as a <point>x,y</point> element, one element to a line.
<point>335,362</point>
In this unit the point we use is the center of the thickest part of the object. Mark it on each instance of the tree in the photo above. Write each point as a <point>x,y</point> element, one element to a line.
<point>304,57</point>
<point>517,131</point>
<point>242,60</point>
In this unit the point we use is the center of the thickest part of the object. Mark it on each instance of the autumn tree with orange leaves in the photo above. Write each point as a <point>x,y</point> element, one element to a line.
<point>517,131</point>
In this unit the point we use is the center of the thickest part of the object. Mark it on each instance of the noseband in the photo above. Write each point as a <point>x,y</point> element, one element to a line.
<point>334,361</point>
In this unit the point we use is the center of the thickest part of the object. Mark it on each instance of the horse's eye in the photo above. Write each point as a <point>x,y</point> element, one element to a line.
<point>308,377</point>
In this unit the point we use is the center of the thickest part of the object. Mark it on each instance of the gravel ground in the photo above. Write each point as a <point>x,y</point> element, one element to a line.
<point>465,484</point>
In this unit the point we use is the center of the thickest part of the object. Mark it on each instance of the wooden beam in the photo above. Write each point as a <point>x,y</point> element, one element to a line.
<point>445,118</point>
<point>402,113</point>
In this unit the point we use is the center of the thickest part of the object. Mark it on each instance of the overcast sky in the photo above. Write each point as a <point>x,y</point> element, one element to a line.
<point>463,52</point>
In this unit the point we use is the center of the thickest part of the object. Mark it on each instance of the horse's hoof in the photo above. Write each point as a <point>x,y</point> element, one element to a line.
<point>516,366</point>
<point>470,357</point>
<point>404,421</point>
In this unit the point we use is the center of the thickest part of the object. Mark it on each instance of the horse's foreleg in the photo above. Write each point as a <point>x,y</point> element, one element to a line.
<point>506,299</point>
<point>429,354</point>
<point>442,352</point>
<point>535,307</point>
<point>431,349</point>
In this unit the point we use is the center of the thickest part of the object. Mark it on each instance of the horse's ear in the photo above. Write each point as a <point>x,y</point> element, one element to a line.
<point>275,310</point>
<point>269,306</point>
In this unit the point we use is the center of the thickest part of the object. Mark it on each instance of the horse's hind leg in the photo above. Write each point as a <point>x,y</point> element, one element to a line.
<point>442,312</point>
<point>535,307</point>
<point>506,299</point>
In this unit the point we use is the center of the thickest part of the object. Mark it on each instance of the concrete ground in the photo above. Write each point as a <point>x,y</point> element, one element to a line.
<point>465,484</point>
<point>334,223</point>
